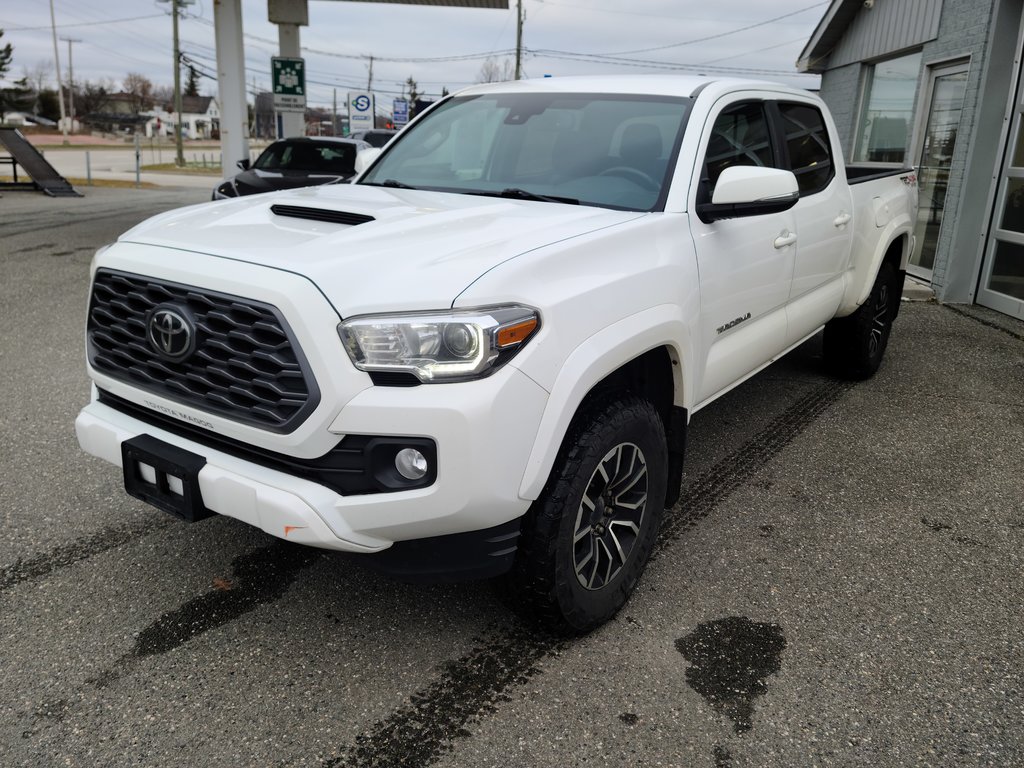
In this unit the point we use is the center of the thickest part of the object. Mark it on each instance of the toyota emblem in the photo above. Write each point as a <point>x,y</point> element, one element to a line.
<point>171,332</point>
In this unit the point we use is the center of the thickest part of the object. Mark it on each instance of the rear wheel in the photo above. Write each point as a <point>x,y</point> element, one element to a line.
<point>588,537</point>
<point>854,345</point>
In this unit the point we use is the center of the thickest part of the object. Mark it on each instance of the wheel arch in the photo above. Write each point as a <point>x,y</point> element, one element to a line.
<point>607,363</point>
<point>895,245</point>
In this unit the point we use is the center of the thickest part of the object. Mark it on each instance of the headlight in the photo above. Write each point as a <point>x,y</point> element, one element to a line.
<point>225,190</point>
<point>439,347</point>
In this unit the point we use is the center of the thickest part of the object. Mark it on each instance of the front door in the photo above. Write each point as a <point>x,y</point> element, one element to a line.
<point>945,99</point>
<point>745,263</point>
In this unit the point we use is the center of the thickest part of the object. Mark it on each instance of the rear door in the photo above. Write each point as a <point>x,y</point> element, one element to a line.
<point>823,217</point>
<point>746,264</point>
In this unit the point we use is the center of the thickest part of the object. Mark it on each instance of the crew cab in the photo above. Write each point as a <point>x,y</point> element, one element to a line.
<point>481,358</point>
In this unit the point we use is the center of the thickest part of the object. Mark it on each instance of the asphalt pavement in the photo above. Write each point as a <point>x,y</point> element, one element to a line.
<point>839,585</point>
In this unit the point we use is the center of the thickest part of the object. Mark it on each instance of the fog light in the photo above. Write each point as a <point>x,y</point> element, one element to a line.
<point>411,464</point>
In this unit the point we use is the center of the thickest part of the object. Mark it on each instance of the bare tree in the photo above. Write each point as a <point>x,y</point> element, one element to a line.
<point>140,90</point>
<point>94,97</point>
<point>164,95</point>
<point>495,71</point>
<point>37,77</point>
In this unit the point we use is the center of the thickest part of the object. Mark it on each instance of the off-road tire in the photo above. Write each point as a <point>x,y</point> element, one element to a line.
<point>854,345</point>
<point>546,582</point>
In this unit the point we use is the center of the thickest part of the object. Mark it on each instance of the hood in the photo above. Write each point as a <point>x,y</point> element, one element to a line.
<point>415,250</point>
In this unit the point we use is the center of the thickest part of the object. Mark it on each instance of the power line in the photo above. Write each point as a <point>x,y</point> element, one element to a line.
<point>653,64</point>
<point>87,23</point>
<point>711,37</point>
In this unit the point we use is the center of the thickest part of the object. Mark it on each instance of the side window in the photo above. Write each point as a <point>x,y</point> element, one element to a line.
<point>810,152</point>
<point>739,137</point>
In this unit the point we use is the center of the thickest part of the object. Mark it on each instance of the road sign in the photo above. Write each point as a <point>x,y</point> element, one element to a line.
<point>289,84</point>
<point>400,112</point>
<point>360,111</point>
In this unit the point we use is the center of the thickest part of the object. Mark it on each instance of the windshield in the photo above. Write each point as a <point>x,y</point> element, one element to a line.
<point>614,151</point>
<point>333,158</point>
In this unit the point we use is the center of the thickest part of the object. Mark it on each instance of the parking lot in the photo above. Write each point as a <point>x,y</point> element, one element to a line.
<point>839,585</point>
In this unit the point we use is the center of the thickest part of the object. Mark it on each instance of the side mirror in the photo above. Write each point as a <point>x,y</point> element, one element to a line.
<point>748,190</point>
<point>365,158</point>
<point>244,164</point>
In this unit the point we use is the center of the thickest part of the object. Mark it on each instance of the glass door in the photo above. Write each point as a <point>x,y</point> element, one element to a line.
<point>1002,282</point>
<point>945,99</point>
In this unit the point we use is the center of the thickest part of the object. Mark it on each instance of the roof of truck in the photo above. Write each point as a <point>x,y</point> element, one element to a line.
<point>654,85</point>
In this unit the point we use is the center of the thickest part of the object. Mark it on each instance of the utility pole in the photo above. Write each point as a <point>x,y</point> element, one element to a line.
<point>60,85</point>
<point>179,158</point>
<point>334,115</point>
<point>176,6</point>
<point>71,81</point>
<point>520,16</point>
<point>369,80</point>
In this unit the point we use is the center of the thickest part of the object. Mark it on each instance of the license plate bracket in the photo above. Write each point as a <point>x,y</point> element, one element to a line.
<point>165,476</point>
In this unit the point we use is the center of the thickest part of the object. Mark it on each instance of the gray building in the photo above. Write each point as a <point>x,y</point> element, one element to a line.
<point>937,84</point>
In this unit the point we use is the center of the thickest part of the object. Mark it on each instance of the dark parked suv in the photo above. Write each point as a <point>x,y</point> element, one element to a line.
<point>295,162</point>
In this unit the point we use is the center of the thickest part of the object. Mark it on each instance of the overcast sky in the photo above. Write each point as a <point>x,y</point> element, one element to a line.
<point>561,37</point>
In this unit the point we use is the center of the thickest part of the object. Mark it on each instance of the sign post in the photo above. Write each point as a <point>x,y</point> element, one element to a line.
<point>289,84</point>
<point>400,112</point>
<point>360,111</point>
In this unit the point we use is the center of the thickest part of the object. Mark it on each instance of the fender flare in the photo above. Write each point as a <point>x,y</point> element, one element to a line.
<point>592,361</point>
<point>863,278</point>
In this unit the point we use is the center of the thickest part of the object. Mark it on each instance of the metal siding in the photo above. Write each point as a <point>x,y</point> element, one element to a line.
<point>888,27</point>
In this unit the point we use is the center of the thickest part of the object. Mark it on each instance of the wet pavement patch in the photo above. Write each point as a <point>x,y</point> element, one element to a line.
<point>730,659</point>
<point>61,557</point>
<point>259,577</point>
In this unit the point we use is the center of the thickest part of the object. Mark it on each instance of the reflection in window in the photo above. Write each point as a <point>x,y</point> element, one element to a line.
<point>1013,208</point>
<point>739,137</point>
<point>887,112</point>
<point>1008,270</point>
<point>810,154</point>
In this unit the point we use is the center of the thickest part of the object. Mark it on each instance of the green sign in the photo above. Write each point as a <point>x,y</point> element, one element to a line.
<point>289,82</point>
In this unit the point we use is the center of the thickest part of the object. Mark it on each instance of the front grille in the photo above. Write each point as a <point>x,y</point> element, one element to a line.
<point>246,364</point>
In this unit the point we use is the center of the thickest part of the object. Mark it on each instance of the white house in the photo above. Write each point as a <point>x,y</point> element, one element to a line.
<point>200,118</point>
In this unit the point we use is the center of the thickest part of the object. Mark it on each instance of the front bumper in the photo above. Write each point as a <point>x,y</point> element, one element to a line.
<point>484,432</point>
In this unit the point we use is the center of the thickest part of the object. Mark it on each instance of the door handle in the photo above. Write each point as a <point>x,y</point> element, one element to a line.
<point>785,238</point>
<point>842,219</point>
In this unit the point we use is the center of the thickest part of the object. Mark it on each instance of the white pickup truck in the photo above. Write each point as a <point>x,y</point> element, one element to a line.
<point>481,358</point>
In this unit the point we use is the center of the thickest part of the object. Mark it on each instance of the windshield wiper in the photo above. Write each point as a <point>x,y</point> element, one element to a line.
<point>515,193</point>
<point>390,183</point>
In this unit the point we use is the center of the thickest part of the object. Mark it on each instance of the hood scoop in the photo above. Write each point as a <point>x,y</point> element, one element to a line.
<point>321,214</point>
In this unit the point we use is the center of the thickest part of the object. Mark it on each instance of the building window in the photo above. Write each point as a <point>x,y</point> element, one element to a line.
<point>887,111</point>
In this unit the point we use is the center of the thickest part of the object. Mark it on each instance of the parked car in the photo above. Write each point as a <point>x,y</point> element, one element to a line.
<point>481,357</point>
<point>377,137</point>
<point>296,162</point>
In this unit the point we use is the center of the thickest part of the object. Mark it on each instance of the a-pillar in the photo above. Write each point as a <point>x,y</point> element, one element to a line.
<point>289,15</point>
<point>234,113</point>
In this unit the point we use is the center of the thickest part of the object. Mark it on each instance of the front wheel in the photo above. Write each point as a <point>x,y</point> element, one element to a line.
<point>587,538</point>
<point>854,345</point>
